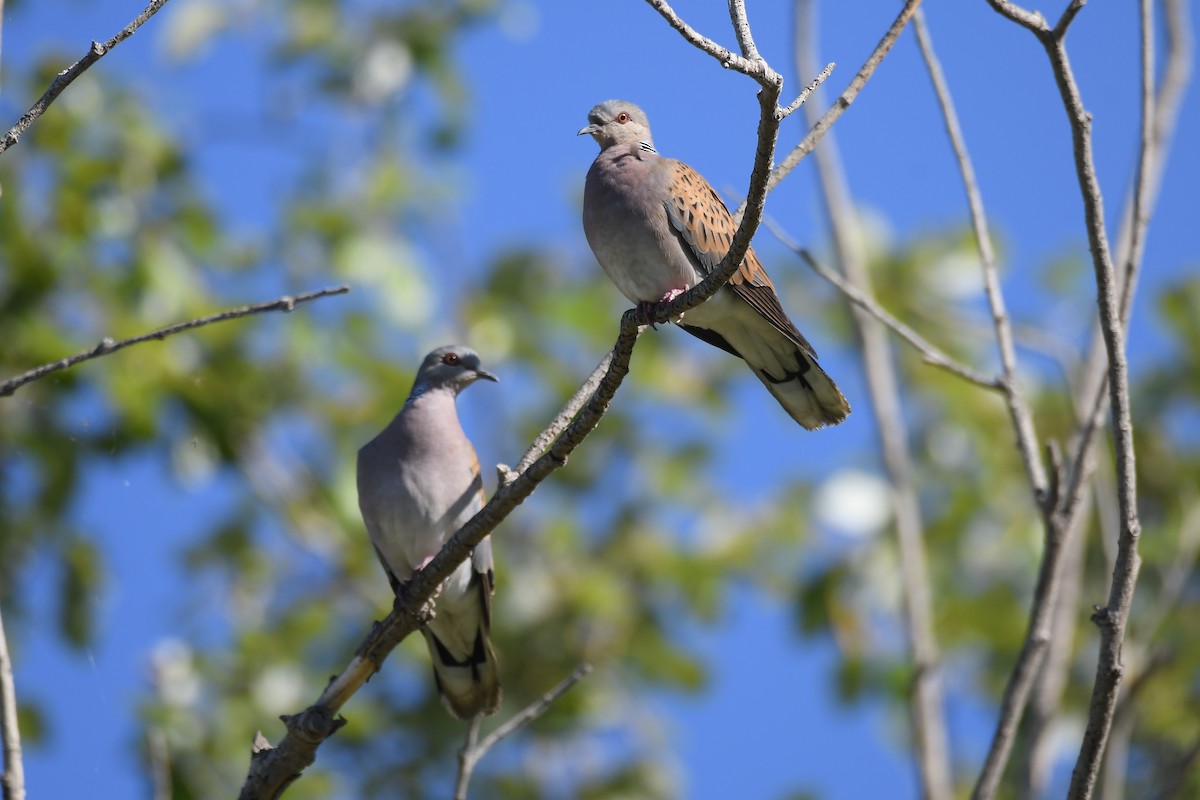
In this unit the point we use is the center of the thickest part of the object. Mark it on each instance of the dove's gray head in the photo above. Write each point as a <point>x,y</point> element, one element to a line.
<point>616,122</point>
<point>453,367</point>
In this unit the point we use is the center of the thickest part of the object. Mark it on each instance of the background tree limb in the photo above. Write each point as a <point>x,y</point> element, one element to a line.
<point>64,78</point>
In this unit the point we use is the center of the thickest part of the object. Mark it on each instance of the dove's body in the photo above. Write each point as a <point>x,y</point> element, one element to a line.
<point>418,482</point>
<point>657,228</point>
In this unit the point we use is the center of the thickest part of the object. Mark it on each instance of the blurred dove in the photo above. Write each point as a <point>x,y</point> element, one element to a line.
<point>418,482</point>
<point>657,228</point>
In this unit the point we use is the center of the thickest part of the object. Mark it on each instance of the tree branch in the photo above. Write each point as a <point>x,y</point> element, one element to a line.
<point>107,345</point>
<point>12,779</point>
<point>1113,617</point>
<point>1018,410</point>
<point>64,78</point>
<point>930,352</point>
<point>473,751</point>
<point>926,704</point>
<point>843,101</point>
<point>1168,98</point>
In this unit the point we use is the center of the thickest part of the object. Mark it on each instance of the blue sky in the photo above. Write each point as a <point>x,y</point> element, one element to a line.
<point>532,81</point>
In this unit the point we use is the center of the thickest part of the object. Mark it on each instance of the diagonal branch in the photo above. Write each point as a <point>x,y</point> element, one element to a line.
<point>927,716</point>
<point>474,750</point>
<point>821,126</point>
<point>63,79</point>
<point>107,345</point>
<point>1018,409</point>
<point>273,769</point>
<point>930,352</point>
<point>12,778</point>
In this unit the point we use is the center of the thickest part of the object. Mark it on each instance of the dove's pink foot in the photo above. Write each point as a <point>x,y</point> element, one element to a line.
<point>647,309</point>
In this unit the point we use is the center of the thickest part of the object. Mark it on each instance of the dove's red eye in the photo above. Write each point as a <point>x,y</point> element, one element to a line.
<point>451,359</point>
<point>622,117</point>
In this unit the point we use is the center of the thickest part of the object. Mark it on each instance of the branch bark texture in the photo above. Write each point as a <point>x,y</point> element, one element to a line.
<point>68,75</point>
<point>926,702</point>
<point>1113,617</point>
<point>12,778</point>
<point>107,345</point>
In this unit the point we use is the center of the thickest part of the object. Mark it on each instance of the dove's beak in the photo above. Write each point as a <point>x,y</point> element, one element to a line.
<point>590,130</point>
<point>487,376</point>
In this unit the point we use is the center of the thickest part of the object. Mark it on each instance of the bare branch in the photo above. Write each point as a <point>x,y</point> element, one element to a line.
<point>1033,20</point>
<point>1113,617</point>
<point>1168,98</point>
<point>843,101</point>
<point>472,752</point>
<point>926,704</point>
<point>930,352</point>
<point>12,779</point>
<point>1018,410</point>
<point>802,98</point>
<point>1029,662</point>
<point>1053,677</point>
<point>726,57</point>
<point>107,346</point>
<point>741,29</point>
<point>64,78</point>
<point>466,765</point>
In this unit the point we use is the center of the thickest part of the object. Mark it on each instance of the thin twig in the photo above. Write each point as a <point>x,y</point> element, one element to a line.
<point>107,346</point>
<point>813,85</point>
<point>63,79</point>
<point>843,101</point>
<point>927,717</point>
<point>472,752</point>
<point>12,779</point>
<point>930,352</point>
<point>1022,419</point>
<point>465,763</point>
<point>1053,677</point>
<point>1168,99</point>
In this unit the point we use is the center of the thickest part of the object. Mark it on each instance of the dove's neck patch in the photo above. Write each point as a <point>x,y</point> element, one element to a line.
<point>646,147</point>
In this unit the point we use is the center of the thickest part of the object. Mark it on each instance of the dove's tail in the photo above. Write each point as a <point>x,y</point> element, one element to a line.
<point>806,393</point>
<point>787,368</point>
<point>464,663</point>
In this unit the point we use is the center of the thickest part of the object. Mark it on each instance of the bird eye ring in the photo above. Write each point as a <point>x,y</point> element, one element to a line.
<point>623,117</point>
<point>451,359</point>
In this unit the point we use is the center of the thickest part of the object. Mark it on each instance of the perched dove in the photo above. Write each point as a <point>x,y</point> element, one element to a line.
<point>418,482</point>
<point>657,228</point>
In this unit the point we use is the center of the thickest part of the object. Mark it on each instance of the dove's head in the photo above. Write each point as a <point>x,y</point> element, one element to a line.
<point>617,122</point>
<point>453,367</point>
